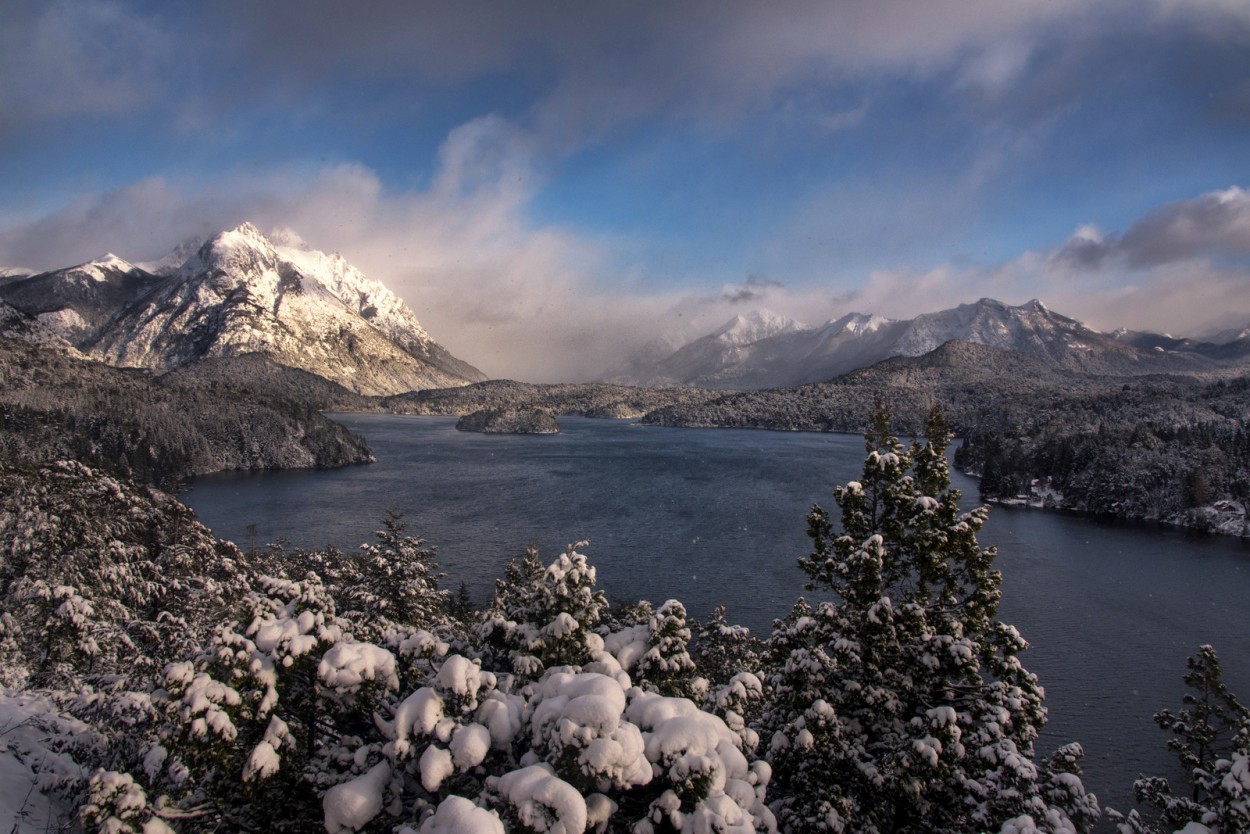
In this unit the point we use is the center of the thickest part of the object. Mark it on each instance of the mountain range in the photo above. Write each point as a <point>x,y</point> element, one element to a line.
<point>242,292</point>
<point>239,292</point>
<point>764,350</point>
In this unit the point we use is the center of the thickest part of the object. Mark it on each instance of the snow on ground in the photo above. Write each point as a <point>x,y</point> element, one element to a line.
<point>32,764</point>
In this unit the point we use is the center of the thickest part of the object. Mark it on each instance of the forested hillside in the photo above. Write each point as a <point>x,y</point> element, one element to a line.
<point>162,430</point>
<point>1171,450</point>
<point>1163,448</point>
<point>580,399</point>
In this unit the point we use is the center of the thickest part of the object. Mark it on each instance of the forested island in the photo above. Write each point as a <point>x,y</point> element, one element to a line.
<point>509,421</point>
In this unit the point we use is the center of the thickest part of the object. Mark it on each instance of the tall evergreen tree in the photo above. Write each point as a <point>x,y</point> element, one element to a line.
<point>902,706</point>
<point>395,584</point>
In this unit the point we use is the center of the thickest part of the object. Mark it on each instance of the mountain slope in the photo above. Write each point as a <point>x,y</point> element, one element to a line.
<point>797,356</point>
<point>77,302</point>
<point>240,293</point>
<point>161,430</point>
<point>16,324</point>
<point>725,356</point>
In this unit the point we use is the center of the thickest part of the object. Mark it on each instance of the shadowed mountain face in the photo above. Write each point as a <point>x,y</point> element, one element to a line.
<point>240,293</point>
<point>790,354</point>
<point>76,303</point>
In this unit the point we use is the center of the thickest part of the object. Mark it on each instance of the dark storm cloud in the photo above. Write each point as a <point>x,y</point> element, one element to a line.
<point>754,288</point>
<point>1214,225</point>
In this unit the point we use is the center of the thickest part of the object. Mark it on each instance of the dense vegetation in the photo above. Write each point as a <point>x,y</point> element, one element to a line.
<point>245,413</point>
<point>581,399</point>
<point>509,421</point>
<point>1173,450</point>
<point>1168,448</point>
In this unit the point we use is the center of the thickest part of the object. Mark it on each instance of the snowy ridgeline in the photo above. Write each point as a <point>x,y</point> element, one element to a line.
<point>160,680</point>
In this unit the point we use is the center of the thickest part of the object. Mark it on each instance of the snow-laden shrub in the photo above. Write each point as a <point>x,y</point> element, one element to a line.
<point>542,616</point>
<point>275,711</point>
<point>117,805</point>
<point>103,581</point>
<point>457,815</point>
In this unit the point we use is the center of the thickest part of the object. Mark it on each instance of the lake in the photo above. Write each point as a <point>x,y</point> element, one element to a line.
<point>714,516</point>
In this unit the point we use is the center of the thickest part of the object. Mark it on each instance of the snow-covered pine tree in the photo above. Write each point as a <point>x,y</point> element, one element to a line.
<point>901,705</point>
<point>1211,739</point>
<point>666,666</point>
<point>395,585</point>
<point>728,661</point>
<point>543,616</point>
<point>723,649</point>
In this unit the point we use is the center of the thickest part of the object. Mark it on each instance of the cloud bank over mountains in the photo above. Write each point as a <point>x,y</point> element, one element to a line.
<point>555,189</point>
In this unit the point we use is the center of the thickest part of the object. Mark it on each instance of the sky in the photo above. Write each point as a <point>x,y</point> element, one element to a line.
<point>558,188</point>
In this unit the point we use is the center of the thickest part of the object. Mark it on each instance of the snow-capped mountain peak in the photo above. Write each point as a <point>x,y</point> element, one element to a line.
<point>103,267</point>
<point>857,340</point>
<point>759,324</point>
<point>857,323</point>
<point>242,293</point>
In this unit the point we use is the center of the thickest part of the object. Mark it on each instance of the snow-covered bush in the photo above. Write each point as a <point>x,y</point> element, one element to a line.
<point>666,666</point>
<point>543,616</point>
<point>271,711</point>
<point>102,581</point>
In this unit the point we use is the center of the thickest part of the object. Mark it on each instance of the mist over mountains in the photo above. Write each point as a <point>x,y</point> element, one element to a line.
<point>242,292</point>
<point>763,350</point>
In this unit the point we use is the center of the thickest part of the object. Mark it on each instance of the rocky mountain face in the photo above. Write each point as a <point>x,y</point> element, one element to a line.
<point>16,324</point>
<point>241,292</point>
<point>77,303</point>
<point>793,355</point>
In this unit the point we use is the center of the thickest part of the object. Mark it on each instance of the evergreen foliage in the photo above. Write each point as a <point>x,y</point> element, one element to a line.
<point>1211,740</point>
<point>666,666</point>
<point>101,580</point>
<point>902,706</point>
<point>543,616</point>
<point>394,583</point>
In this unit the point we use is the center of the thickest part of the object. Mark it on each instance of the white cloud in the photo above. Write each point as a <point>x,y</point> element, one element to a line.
<point>516,299</point>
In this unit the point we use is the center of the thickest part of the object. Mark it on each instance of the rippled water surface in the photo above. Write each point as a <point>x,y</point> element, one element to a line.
<point>711,516</point>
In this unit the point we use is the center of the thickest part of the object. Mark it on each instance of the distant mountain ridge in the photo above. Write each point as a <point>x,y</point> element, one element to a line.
<point>794,355</point>
<point>238,293</point>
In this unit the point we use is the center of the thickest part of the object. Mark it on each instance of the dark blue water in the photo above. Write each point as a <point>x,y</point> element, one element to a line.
<point>718,516</point>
